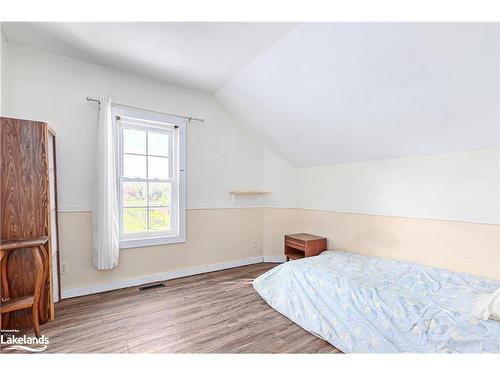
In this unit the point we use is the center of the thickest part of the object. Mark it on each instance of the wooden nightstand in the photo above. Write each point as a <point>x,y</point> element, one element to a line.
<point>301,245</point>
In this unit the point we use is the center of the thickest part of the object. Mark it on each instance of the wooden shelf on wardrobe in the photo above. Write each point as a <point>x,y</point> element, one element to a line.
<point>15,304</point>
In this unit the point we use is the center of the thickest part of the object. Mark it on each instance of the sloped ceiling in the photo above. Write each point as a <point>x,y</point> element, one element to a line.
<point>201,55</point>
<point>315,94</point>
<point>335,93</point>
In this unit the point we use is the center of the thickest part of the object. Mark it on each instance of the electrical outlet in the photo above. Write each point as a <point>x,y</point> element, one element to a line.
<point>64,268</point>
<point>254,243</point>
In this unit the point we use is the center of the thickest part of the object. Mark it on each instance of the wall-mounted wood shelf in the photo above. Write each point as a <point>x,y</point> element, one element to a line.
<point>243,192</point>
<point>247,193</point>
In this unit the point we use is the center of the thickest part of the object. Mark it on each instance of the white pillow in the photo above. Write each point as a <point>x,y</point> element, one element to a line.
<point>487,306</point>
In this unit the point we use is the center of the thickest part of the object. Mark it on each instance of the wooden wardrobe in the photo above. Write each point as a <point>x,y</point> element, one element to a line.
<point>28,205</point>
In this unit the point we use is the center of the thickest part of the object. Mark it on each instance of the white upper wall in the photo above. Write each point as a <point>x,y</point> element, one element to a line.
<point>280,178</point>
<point>52,88</point>
<point>461,186</point>
<point>329,93</point>
<point>1,71</point>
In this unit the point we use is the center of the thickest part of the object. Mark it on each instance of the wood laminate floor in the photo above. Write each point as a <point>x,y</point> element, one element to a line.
<point>217,312</point>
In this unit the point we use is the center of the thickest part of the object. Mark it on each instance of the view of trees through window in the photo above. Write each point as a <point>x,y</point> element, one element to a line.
<point>146,188</point>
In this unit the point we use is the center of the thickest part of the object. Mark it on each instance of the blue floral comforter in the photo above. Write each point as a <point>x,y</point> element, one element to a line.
<point>364,304</point>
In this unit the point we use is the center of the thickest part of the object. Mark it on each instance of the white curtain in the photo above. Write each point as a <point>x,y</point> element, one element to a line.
<point>105,214</point>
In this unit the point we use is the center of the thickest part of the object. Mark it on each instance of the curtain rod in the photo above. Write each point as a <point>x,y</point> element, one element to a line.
<point>142,109</point>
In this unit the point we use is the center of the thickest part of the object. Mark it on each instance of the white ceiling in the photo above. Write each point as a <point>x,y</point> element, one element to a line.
<point>315,94</point>
<point>334,93</point>
<point>202,56</point>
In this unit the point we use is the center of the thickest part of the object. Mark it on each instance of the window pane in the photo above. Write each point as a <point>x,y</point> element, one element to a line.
<point>134,166</point>
<point>159,194</point>
<point>158,144</point>
<point>158,168</point>
<point>134,220</point>
<point>159,219</point>
<point>134,194</point>
<point>134,141</point>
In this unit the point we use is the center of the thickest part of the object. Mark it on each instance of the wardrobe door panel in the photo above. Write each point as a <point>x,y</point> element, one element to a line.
<point>25,199</point>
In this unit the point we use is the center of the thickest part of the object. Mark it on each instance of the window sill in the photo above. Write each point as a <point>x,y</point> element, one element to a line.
<point>144,242</point>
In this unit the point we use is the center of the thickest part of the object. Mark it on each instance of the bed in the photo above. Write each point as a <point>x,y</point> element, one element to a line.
<point>362,304</point>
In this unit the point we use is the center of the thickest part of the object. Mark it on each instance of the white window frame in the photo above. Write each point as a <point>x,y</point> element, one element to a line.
<point>128,118</point>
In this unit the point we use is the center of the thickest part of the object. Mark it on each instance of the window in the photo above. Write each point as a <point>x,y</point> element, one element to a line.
<point>151,177</point>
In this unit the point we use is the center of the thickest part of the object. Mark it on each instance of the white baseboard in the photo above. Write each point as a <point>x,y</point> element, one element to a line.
<point>274,259</point>
<point>120,284</point>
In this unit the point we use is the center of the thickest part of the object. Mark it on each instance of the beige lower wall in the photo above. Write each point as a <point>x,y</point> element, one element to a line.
<point>458,246</point>
<point>221,235</point>
<point>213,236</point>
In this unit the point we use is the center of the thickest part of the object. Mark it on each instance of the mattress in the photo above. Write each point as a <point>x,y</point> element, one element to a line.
<point>362,304</point>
